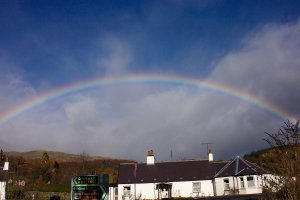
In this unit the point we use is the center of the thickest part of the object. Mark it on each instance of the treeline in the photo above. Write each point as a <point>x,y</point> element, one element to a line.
<point>50,175</point>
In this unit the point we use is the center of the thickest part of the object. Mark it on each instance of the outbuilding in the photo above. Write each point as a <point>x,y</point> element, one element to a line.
<point>3,179</point>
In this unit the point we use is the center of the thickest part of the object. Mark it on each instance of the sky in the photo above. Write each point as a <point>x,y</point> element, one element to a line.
<point>49,47</point>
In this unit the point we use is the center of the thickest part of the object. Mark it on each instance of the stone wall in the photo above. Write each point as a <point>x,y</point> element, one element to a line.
<point>32,195</point>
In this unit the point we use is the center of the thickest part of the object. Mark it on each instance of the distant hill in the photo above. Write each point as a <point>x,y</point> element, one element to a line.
<point>256,154</point>
<point>59,156</point>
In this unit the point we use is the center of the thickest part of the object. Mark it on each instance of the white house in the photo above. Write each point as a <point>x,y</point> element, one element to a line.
<point>189,178</point>
<point>239,176</point>
<point>3,180</point>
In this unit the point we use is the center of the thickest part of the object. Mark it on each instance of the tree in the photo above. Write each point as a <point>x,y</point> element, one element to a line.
<point>45,170</point>
<point>84,157</point>
<point>45,162</point>
<point>286,167</point>
<point>2,156</point>
<point>55,166</point>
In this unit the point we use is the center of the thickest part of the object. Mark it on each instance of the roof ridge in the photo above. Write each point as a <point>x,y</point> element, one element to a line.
<point>254,166</point>
<point>239,171</point>
<point>236,165</point>
<point>221,170</point>
<point>246,162</point>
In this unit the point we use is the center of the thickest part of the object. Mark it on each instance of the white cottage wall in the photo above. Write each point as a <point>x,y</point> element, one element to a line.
<point>146,191</point>
<point>185,189</point>
<point>138,191</point>
<point>235,185</point>
<point>179,189</point>
<point>113,193</point>
<point>2,190</point>
<point>121,193</point>
<point>220,186</point>
<point>257,188</point>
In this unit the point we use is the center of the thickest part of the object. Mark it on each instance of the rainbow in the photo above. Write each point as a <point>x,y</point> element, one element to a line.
<point>138,79</point>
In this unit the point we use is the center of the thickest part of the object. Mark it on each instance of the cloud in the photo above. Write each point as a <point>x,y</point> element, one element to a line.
<point>267,66</point>
<point>13,88</point>
<point>117,55</point>
<point>128,120</point>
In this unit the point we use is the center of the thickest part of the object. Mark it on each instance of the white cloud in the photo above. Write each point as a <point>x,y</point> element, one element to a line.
<point>117,56</point>
<point>127,121</point>
<point>267,66</point>
<point>81,113</point>
<point>13,89</point>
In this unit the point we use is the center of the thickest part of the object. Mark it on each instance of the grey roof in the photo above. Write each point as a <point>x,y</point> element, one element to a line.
<point>169,171</point>
<point>240,167</point>
<point>3,174</point>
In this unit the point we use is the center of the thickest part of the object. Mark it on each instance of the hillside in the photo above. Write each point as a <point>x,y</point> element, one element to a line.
<point>264,158</point>
<point>59,156</point>
<point>271,158</point>
<point>52,171</point>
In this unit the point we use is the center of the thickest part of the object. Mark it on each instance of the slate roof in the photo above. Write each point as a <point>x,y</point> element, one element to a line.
<point>240,167</point>
<point>169,171</point>
<point>3,174</point>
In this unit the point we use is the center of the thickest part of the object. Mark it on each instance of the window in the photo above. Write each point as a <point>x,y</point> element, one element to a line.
<point>242,185</point>
<point>126,191</point>
<point>250,181</point>
<point>226,184</point>
<point>116,193</point>
<point>196,187</point>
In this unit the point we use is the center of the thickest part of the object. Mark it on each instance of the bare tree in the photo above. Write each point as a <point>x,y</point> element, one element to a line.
<point>84,157</point>
<point>285,145</point>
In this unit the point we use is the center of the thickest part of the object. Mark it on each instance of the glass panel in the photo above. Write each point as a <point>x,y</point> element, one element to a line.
<point>250,181</point>
<point>242,185</point>
<point>226,184</point>
<point>196,187</point>
<point>126,191</point>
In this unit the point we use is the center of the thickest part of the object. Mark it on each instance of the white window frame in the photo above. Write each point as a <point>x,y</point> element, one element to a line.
<point>242,182</point>
<point>250,183</point>
<point>196,187</point>
<point>226,184</point>
<point>126,190</point>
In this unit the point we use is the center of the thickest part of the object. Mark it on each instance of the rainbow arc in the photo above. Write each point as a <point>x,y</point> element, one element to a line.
<point>149,79</point>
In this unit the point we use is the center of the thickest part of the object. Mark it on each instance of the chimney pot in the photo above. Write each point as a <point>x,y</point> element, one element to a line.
<point>150,158</point>
<point>210,155</point>
<point>150,153</point>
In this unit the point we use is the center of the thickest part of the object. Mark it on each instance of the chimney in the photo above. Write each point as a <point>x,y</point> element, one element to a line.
<point>210,156</point>
<point>6,164</point>
<point>150,158</point>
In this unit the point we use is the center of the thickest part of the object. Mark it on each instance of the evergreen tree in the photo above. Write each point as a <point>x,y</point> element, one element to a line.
<point>45,168</point>
<point>2,156</point>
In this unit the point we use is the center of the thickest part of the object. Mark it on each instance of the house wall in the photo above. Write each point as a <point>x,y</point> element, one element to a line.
<point>237,187</point>
<point>144,191</point>
<point>2,190</point>
<point>113,193</point>
<point>185,189</point>
<point>179,189</point>
<point>220,186</point>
